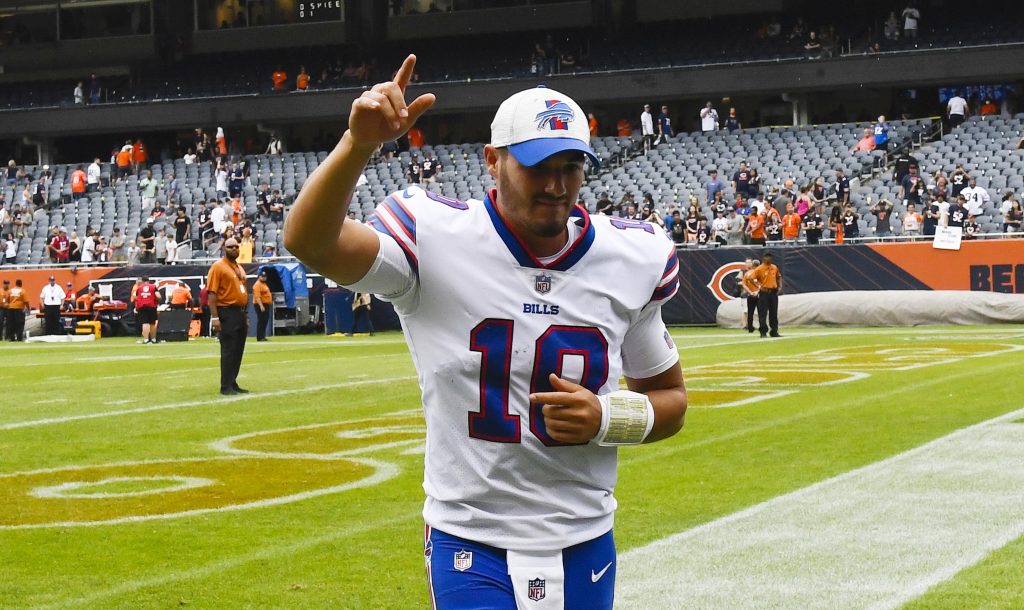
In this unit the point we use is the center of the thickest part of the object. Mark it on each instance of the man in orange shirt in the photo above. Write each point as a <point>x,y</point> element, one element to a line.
<point>262,299</point>
<point>5,297</point>
<point>139,155</point>
<point>124,161</point>
<point>302,80</point>
<point>791,225</point>
<point>17,307</point>
<point>755,227</point>
<point>181,297</point>
<point>749,290</point>
<point>592,123</point>
<point>280,78</point>
<point>768,280</point>
<point>78,183</point>
<point>87,301</point>
<point>228,300</point>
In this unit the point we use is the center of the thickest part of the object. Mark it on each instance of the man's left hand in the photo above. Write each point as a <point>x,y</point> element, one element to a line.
<point>572,413</point>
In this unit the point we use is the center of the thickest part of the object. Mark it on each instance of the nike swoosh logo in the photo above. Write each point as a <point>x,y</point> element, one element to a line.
<point>596,576</point>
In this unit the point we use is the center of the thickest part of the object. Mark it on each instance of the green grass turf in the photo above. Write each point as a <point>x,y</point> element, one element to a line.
<point>362,548</point>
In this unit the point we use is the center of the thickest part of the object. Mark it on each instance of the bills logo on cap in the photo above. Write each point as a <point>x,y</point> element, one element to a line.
<point>463,560</point>
<point>536,589</point>
<point>557,115</point>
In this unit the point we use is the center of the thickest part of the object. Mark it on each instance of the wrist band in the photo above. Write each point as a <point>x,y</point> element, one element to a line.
<point>626,418</point>
<point>212,319</point>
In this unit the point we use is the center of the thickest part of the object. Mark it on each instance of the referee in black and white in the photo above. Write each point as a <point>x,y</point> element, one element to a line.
<point>52,297</point>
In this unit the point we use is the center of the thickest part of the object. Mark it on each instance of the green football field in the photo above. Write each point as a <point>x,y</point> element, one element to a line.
<point>831,468</point>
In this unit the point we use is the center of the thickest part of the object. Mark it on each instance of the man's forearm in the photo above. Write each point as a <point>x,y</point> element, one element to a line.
<point>316,218</point>
<point>211,302</point>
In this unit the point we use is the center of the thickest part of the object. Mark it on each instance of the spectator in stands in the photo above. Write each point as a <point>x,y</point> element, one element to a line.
<point>835,223</point>
<point>732,122</point>
<point>60,247</point>
<point>720,228</point>
<point>908,190</point>
<point>190,157</point>
<point>592,124</point>
<point>818,193</point>
<point>416,137</point>
<point>78,183</point>
<point>971,228</point>
<point>79,94</point>
<point>812,46</point>
<point>139,155</point>
<point>932,215</point>
<point>11,175</point>
<point>755,231</point>
<point>275,146</point>
<point>957,110</point>
<point>734,229</point>
<point>269,251</point>
<point>148,187</point>
<point>430,169</point>
<point>650,214</point>
<point>623,128</point>
<point>276,206</point>
<point>147,243</point>
<point>1013,218</point>
<point>605,205</point>
<point>882,211</point>
<point>714,185</point>
<point>957,213</point>
<point>772,225</point>
<point>302,80</point>
<point>976,198</point>
<point>718,204</point>
<point>221,180</point>
<point>851,225</point>
<point>740,180</point>
<point>647,127</point>
<point>414,172</point>
<point>133,254</point>
<point>941,185</point>
<point>95,90</point>
<point>236,180</point>
<point>678,229</point>
<point>708,118</point>
<point>958,180</point>
<point>664,125</point>
<point>791,224</point>
<point>117,246</point>
<point>124,161</point>
<point>1008,198</point>
<point>813,224</point>
<point>912,221</point>
<point>865,144</point>
<point>911,17</point>
<point>881,132</point>
<point>280,79</point>
<point>841,187</point>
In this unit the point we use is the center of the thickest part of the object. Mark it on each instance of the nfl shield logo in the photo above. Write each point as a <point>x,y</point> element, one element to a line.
<point>536,590</point>
<point>463,560</point>
<point>543,283</point>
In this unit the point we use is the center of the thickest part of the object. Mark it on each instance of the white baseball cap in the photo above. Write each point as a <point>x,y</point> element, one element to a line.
<point>537,123</point>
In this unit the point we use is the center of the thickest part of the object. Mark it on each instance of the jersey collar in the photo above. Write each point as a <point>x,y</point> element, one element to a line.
<point>518,249</point>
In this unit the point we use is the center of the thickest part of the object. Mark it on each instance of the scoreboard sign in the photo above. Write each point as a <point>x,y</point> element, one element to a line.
<point>324,10</point>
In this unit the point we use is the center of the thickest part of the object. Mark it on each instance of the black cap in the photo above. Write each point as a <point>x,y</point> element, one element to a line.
<point>767,255</point>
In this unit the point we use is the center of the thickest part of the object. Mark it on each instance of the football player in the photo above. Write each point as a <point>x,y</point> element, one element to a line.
<point>521,312</point>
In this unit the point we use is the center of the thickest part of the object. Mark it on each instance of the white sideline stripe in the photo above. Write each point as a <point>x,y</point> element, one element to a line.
<point>199,403</point>
<point>875,537</point>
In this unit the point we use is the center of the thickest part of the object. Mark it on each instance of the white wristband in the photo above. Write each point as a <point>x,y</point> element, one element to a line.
<point>626,418</point>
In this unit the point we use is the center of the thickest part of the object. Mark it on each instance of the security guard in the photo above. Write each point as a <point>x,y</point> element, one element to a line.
<point>749,290</point>
<point>5,297</point>
<point>768,280</point>
<point>228,299</point>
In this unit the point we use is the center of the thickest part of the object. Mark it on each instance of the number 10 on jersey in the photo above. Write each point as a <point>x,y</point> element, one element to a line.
<point>493,339</point>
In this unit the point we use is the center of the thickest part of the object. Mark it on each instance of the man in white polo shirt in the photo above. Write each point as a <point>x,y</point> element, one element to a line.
<point>956,110</point>
<point>52,296</point>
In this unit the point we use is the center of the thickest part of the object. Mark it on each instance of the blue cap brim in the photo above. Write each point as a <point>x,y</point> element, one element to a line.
<point>532,152</point>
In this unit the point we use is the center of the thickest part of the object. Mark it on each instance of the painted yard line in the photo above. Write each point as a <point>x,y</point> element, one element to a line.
<point>265,554</point>
<point>875,537</point>
<point>659,451</point>
<point>200,403</point>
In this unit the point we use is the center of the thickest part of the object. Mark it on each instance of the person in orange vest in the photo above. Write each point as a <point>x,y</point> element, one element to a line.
<point>87,301</point>
<point>768,280</point>
<point>592,124</point>
<point>5,297</point>
<point>78,183</point>
<point>302,80</point>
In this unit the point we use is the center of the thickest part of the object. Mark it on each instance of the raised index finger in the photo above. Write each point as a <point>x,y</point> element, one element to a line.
<point>404,74</point>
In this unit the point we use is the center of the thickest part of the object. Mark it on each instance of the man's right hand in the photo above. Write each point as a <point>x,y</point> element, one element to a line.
<point>381,114</point>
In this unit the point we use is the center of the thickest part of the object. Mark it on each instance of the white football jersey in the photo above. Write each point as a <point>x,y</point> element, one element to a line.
<point>486,323</point>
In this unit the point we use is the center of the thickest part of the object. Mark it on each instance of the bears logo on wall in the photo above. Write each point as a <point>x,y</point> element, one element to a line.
<point>724,279</point>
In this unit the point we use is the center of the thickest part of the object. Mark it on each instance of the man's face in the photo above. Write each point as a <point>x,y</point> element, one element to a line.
<point>231,249</point>
<point>743,167</point>
<point>536,200</point>
<point>972,182</point>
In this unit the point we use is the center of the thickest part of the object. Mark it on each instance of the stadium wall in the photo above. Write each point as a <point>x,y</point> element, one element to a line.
<point>707,277</point>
